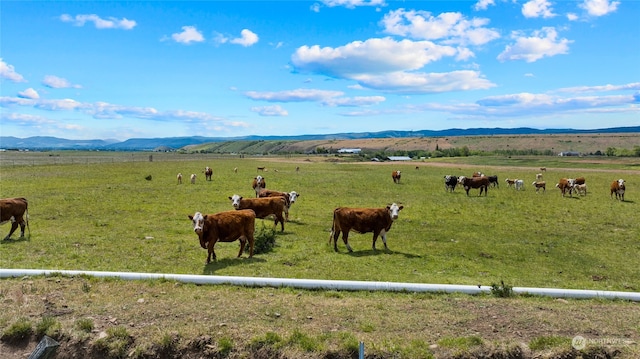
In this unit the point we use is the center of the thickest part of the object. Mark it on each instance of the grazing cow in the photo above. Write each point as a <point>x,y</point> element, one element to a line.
<point>540,184</point>
<point>235,169</point>
<point>618,187</point>
<point>564,185</point>
<point>395,175</point>
<point>14,210</point>
<point>450,182</point>
<point>289,199</point>
<point>580,189</point>
<point>263,207</point>
<point>363,220</point>
<point>260,169</point>
<point>258,185</point>
<point>208,173</point>
<point>179,178</point>
<point>493,180</point>
<point>539,177</point>
<point>297,168</point>
<point>510,182</point>
<point>193,178</point>
<point>519,184</point>
<point>476,182</point>
<point>225,227</point>
<point>543,169</point>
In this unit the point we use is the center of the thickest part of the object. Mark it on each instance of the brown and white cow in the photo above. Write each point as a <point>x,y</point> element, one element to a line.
<point>540,184</point>
<point>289,199</point>
<point>565,186</point>
<point>225,226</point>
<point>14,210</point>
<point>510,181</point>
<point>618,187</point>
<point>193,178</point>
<point>363,220</point>
<point>258,184</point>
<point>395,175</point>
<point>580,189</point>
<point>208,173</point>
<point>481,182</point>
<point>263,207</point>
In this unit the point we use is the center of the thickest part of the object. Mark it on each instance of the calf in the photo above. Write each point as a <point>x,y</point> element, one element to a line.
<point>258,185</point>
<point>450,182</point>
<point>565,186</point>
<point>193,178</point>
<point>208,173</point>
<point>540,184</point>
<point>519,184</point>
<point>363,220</point>
<point>476,182</point>
<point>179,178</point>
<point>263,207</point>
<point>539,177</point>
<point>580,189</point>
<point>395,175</point>
<point>289,199</point>
<point>493,180</point>
<point>225,227</point>
<point>510,182</point>
<point>618,187</point>
<point>14,210</point>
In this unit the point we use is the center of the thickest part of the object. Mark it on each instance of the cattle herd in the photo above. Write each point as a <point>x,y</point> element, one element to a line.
<point>239,223</point>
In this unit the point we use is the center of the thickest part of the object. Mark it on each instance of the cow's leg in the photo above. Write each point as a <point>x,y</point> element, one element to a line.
<point>345,239</point>
<point>286,213</point>
<point>251,241</point>
<point>243,242</point>
<point>212,253</point>
<point>14,226</point>
<point>280,219</point>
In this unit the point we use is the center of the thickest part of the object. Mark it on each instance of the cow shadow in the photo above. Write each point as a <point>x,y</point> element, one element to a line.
<point>371,252</point>
<point>222,263</point>
<point>14,241</point>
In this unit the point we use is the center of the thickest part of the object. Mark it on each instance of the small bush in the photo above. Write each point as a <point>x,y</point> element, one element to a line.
<point>225,346</point>
<point>48,326</point>
<point>19,330</point>
<point>502,290</point>
<point>116,343</point>
<point>269,339</point>
<point>304,341</point>
<point>265,240</point>
<point>85,325</point>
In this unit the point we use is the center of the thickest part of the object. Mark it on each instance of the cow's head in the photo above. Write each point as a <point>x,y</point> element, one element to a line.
<point>394,210</point>
<point>621,183</point>
<point>198,226</point>
<point>235,200</point>
<point>461,179</point>
<point>293,195</point>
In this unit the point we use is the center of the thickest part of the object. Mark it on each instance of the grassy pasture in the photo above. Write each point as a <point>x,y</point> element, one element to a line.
<point>96,214</point>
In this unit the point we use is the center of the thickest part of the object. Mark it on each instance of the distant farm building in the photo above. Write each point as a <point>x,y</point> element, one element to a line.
<point>569,153</point>
<point>350,150</point>
<point>399,158</point>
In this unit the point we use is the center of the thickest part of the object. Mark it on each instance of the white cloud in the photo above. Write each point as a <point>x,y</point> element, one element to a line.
<point>356,101</point>
<point>483,4</point>
<point>276,110</point>
<point>542,43</point>
<point>100,23</point>
<point>58,82</point>
<point>188,35</point>
<point>450,27</point>
<point>352,4</point>
<point>417,83</point>
<point>604,88</point>
<point>537,8</point>
<point>29,93</point>
<point>247,38</point>
<point>24,119</point>
<point>599,7</point>
<point>572,17</point>
<point>298,95</point>
<point>8,72</point>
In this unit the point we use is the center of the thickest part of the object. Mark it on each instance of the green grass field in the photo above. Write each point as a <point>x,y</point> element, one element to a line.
<point>92,211</point>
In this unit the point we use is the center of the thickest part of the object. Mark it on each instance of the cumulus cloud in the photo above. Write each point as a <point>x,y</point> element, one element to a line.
<point>603,88</point>
<point>599,7</point>
<point>417,83</point>
<point>99,23</point>
<point>352,4</point>
<point>29,93</point>
<point>483,4</point>
<point>58,82</point>
<point>537,8</point>
<point>327,98</point>
<point>449,27</point>
<point>24,119</point>
<point>270,111</point>
<point>542,43</point>
<point>188,35</point>
<point>247,38</point>
<point>8,72</point>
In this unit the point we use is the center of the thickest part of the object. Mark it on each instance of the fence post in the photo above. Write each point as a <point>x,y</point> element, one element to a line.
<point>361,354</point>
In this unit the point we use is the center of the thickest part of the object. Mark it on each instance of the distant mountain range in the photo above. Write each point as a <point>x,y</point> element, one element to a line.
<point>174,143</point>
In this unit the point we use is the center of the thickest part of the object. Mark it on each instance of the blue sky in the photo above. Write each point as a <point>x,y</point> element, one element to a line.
<point>119,70</point>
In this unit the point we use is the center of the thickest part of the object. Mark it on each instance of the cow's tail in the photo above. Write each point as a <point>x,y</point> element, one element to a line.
<point>333,226</point>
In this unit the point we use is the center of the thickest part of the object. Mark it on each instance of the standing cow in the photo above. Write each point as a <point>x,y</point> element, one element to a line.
<point>225,226</point>
<point>208,173</point>
<point>258,185</point>
<point>363,220</point>
<point>395,175</point>
<point>263,207</point>
<point>14,210</point>
<point>481,182</point>
<point>618,187</point>
<point>565,185</point>
<point>450,182</point>
<point>289,199</point>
